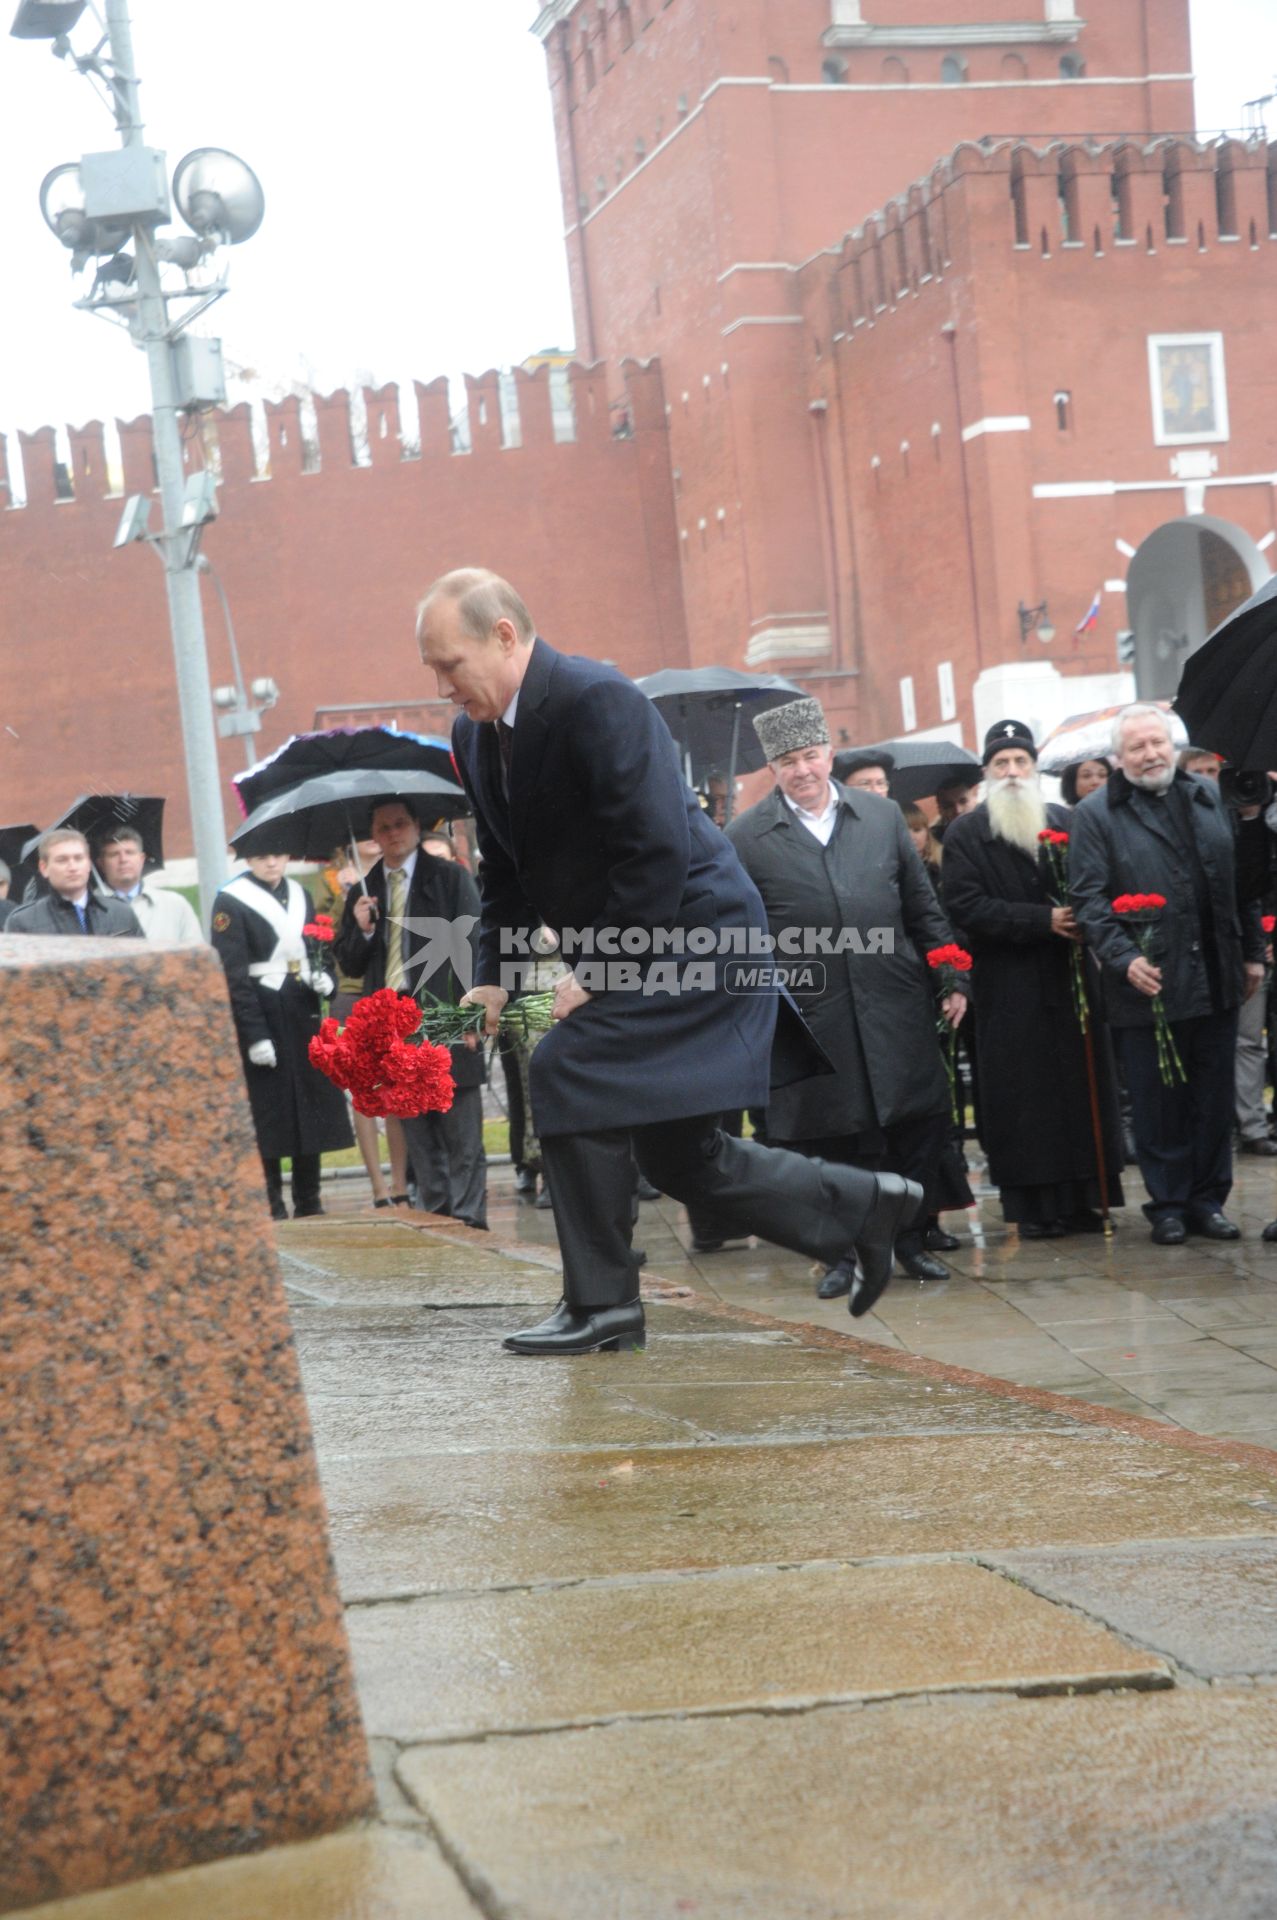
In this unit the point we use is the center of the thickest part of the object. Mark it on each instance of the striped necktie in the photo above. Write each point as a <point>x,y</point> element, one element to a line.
<point>395,971</point>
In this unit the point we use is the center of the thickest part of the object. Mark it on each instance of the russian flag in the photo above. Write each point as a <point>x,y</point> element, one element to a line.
<point>1091,618</point>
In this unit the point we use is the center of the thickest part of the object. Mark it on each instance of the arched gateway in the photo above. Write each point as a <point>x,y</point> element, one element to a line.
<point>1183,581</point>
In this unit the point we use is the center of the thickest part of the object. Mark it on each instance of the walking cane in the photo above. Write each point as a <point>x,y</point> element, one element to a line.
<point>1097,1131</point>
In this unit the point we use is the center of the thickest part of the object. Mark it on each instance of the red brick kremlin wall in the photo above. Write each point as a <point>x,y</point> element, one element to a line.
<point>709,148</point>
<point>979,353</point>
<point>323,569</point>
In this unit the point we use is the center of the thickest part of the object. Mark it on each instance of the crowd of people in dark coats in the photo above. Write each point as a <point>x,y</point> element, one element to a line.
<point>1108,946</point>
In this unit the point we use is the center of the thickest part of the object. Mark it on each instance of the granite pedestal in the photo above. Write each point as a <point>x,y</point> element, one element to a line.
<point>174,1673</point>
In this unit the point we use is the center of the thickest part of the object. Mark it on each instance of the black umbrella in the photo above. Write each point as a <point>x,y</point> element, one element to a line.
<point>335,809</point>
<point>1227,694</point>
<point>919,768</point>
<point>96,815</point>
<point>708,710</point>
<point>308,755</point>
<point>22,871</point>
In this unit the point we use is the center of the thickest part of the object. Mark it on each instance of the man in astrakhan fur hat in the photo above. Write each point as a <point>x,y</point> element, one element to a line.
<point>853,914</point>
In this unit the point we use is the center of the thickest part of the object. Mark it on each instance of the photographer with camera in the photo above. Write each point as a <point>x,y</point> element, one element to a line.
<point>1152,829</point>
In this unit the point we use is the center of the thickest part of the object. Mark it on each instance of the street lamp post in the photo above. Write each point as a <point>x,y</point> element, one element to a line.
<point>95,210</point>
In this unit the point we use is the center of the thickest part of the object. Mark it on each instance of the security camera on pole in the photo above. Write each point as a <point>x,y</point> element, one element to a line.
<point>107,210</point>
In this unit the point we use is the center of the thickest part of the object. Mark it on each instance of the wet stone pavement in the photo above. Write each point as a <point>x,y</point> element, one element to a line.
<point>773,1621</point>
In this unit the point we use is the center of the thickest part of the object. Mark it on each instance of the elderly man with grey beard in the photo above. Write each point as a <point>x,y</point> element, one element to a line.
<point>1036,1120</point>
<point>1153,829</point>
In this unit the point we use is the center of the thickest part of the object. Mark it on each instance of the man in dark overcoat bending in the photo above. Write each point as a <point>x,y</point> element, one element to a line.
<point>586,826</point>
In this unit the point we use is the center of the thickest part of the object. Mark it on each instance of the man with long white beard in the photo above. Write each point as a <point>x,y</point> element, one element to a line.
<point>1151,829</point>
<point>1000,891</point>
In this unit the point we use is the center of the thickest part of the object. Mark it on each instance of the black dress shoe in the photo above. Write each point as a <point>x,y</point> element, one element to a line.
<point>1214,1226</point>
<point>939,1241</point>
<point>543,1201</point>
<point>839,1279</point>
<point>646,1191</point>
<point>700,1245</point>
<point>525,1181</point>
<point>1169,1231</point>
<point>921,1265</point>
<point>1042,1229</point>
<point>1270,1232</point>
<point>311,1211</point>
<point>897,1206</point>
<point>1264,1147</point>
<point>278,1211</point>
<point>1088,1221</point>
<point>574,1330</point>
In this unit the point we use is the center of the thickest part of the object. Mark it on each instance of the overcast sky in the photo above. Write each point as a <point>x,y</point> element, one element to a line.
<point>413,222</point>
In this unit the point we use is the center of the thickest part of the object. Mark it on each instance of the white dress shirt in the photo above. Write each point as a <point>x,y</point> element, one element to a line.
<point>820,824</point>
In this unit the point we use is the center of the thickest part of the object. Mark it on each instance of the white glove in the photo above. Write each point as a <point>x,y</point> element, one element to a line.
<point>262,1053</point>
<point>324,984</point>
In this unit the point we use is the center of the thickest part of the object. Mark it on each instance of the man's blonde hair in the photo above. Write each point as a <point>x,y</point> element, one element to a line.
<point>54,838</point>
<point>482,598</point>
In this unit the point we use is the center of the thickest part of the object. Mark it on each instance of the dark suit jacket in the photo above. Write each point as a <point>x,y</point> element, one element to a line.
<point>440,890</point>
<point>599,832</point>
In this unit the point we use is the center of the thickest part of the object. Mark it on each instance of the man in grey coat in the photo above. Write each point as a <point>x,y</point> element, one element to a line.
<point>162,915</point>
<point>854,916</point>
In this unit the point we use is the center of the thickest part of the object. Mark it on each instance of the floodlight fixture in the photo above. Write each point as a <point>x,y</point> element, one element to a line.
<point>134,521</point>
<point>218,195</point>
<point>64,204</point>
<point>45,19</point>
<point>199,499</point>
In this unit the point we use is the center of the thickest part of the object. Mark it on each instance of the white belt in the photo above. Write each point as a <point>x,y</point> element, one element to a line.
<point>273,973</point>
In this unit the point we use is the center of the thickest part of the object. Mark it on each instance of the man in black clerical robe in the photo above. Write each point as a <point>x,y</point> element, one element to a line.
<point>1035,1104</point>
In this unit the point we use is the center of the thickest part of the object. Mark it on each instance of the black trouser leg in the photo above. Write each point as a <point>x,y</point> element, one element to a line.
<point>706,1225</point>
<point>807,1205</point>
<point>914,1147</point>
<point>508,1054</point>
<point>274,1171</point>
<point>1183,1130</point>
<point>591,1182</point>
<point>1208,1054</point>
<point>306,1183</point>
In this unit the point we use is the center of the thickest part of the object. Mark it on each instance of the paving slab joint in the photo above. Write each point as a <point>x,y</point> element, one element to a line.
<point>481,1891</point>
<point>1061,1686</point>
<point>1180,1673</point>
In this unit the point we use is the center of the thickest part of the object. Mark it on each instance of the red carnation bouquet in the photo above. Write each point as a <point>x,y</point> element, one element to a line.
<point>1139,912</point>
<point>1055,849</point>
<point>317,936</point>
<point>950,964</point>
<point>375,1059</point>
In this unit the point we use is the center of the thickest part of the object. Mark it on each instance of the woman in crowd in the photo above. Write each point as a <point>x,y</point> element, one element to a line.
<point>1082,777</point>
